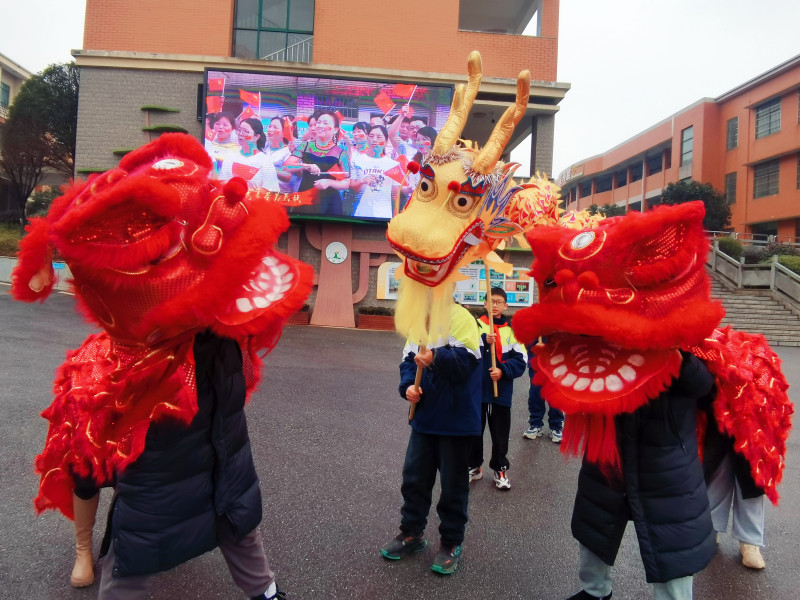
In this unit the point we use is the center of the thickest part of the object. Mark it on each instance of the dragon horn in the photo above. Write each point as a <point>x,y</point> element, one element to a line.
<point>462,103</point>
<point>488,156</point>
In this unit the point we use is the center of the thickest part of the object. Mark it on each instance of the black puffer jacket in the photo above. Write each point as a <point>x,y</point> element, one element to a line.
<point>661,488</point>
<point>194,484</point>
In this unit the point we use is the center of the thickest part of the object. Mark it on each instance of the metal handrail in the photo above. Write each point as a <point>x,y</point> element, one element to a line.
<point>298,52</point>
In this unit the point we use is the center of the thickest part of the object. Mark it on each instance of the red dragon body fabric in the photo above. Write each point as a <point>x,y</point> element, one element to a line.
<point>158,252</point>
<point>617,305</point>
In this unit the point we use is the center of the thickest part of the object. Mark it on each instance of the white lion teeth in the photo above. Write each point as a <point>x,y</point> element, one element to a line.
<point>582,384</point>
<point>270,261</point>
<point>558,358</point>
<point>613,383</point>
<point>260,302</point>
<point>628,374</point>
<point>282,269</point>
<point>610,383</point>
<point>637,360</point>
<point>243,304</point>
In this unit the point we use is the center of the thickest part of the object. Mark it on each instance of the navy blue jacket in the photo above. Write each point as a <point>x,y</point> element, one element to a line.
<point>512,362</point>
<point>661,489</point>
<point>451,386</point>
<point>193,484</point>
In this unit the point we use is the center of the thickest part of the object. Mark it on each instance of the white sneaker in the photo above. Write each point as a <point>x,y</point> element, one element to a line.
<point>501,482</point>
<point>556,436</point>
<point>532,433</point>
<point>475,474</point>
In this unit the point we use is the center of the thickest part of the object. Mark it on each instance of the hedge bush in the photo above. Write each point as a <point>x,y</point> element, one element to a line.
<point>790,262</point>
<point>730,246</point>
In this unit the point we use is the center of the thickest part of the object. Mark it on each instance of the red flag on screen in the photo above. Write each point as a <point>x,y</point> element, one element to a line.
<point>246,172</point>
<point>216,84</point>
<point>340,116</point>
<point>404,90</point>
<point>214,103</point>
<point>383,102</point>
<point>396,173</point>
<point>288,133</point>
<point>247,113</point>
<point>251,98</point>
<point>403,160</point>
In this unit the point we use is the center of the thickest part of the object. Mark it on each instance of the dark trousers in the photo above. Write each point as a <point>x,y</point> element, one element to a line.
<point>425,455</point>
<point>499,420</point>
<point>555,418</point>
<point>246,561</point>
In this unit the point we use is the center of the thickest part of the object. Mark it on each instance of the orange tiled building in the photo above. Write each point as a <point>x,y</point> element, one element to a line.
<point>151,53</point>
<point>745,143</point>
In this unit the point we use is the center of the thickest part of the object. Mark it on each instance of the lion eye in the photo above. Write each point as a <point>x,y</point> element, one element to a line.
<point>462,205</point>
<point>426,190</point>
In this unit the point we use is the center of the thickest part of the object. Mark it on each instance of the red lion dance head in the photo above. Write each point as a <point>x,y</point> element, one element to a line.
<point>158,252</point>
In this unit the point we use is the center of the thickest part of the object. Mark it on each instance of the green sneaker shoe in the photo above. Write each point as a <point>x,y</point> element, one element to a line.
<point>446,560</point>
<point>403,545</point>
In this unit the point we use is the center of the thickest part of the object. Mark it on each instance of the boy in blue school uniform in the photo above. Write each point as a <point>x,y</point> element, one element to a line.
<point>446,417</point>
<point>510,357</point>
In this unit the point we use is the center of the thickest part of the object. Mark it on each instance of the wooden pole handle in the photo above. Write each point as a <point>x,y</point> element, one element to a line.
<point>412,409</point>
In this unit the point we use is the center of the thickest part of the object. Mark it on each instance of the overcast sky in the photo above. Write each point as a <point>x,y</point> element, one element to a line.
<point>631,63</point>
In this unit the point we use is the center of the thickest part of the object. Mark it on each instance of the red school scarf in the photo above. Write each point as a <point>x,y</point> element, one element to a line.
<point>498,323</point>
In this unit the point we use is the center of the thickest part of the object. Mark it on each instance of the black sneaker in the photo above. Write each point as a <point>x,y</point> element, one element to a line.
<point>403,545</point>
<point>584,595</point>
<point>446,560</point>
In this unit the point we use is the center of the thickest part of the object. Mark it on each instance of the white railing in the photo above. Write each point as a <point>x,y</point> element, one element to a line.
<point>783,283</point>
<point>300,51</point>
<point>3,112</point>
<point>756,239</point>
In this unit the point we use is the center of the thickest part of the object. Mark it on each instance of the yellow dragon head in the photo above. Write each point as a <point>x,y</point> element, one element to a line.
<point>465,204</point>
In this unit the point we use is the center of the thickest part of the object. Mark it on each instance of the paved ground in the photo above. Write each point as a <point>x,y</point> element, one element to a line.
<point>329,433</point>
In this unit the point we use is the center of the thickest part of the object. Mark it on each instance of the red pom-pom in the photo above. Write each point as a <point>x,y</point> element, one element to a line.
<point>563,276</point>
<point>413,166</point>
<point>235,189</point>
<point>589,280</point>
<point>454,186</point>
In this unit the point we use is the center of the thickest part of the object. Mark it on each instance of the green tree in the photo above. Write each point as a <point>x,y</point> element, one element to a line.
<point>606,210</point>
<point>718,211</point>
<point>40,131</point>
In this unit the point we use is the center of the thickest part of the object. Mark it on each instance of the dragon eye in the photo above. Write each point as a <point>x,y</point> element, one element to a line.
<point>426,190</point>
<point>461,205</point>
<point>550,282</point>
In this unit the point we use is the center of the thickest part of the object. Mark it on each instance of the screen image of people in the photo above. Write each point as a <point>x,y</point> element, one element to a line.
<point>322,147</point>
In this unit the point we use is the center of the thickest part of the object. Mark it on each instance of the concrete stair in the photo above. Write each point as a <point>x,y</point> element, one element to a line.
<point>755,311</point>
